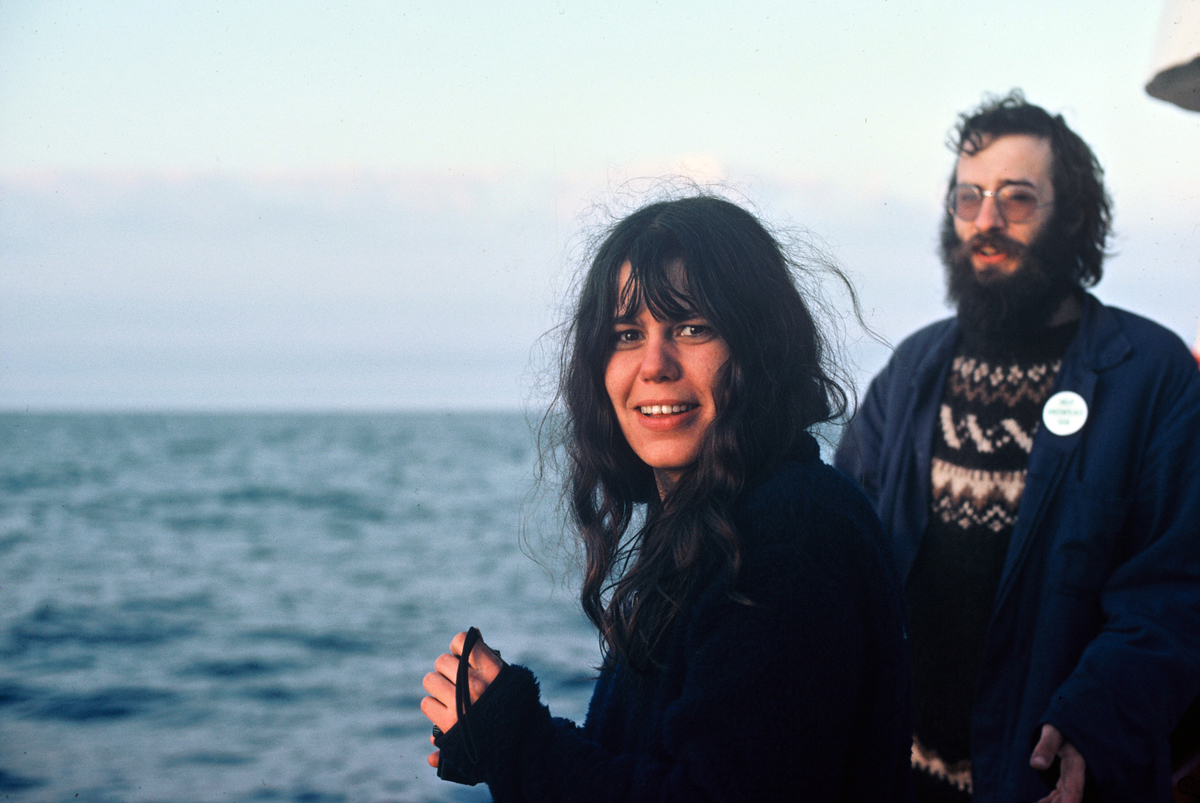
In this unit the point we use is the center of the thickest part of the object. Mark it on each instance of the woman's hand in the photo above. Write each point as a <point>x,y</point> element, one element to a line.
<point>484,665</point>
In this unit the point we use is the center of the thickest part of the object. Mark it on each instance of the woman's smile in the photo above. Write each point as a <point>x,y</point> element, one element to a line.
<point>665,409</point>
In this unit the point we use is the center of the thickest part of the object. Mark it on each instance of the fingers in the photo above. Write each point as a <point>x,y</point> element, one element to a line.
<point>1074,773</point>
<point>1072,769</point>
<point>433,758</point>
<point>447,666</point>
<point>440,687</point>
<point>481,654</point>
<point>438,707</point>
<point>1046,748</point>
<point>485,664</point>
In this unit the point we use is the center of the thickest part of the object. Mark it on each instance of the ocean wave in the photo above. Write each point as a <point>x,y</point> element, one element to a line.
<point>240,669</point>
<point>131,623</point>
<point>17,783</point>
<point>50,477</point>
<point>343,504</point>
<point>105,704</point>
<point>326,642</point>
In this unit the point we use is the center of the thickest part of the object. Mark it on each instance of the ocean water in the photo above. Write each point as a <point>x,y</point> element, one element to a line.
<point>242,607</point>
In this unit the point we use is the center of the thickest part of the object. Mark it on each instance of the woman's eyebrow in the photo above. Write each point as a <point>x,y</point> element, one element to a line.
<point>627,318</point>
<point>684,314</point>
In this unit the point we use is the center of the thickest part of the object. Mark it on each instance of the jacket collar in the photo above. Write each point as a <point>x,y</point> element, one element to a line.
<point>936,359</point>
<point>1101,342</point>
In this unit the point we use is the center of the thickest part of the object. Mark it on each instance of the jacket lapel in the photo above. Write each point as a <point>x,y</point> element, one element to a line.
<point>924,397</point>
<point>1099,345</point>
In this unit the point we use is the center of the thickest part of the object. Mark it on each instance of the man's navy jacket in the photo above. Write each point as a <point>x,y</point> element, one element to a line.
<point>1096,624</point>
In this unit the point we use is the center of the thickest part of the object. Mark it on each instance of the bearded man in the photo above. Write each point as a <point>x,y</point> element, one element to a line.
<point>1036,464</point>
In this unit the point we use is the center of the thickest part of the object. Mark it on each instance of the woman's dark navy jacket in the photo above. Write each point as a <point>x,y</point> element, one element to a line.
<point>803,695</point>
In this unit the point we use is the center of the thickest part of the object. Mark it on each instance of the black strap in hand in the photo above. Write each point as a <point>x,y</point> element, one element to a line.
<point>462,696</point>
<point>466,768</point>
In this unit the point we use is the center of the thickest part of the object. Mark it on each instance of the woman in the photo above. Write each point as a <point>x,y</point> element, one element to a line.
<point>752,625</point>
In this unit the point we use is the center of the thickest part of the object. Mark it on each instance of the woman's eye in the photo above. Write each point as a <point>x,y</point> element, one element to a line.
<point>694,330</point>
<point>625,337</point>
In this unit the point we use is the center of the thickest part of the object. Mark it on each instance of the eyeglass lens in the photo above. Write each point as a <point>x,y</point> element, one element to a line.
<point>1017,203</point>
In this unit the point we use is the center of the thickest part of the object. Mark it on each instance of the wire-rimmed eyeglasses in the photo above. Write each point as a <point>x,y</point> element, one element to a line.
<point>1017,203</point>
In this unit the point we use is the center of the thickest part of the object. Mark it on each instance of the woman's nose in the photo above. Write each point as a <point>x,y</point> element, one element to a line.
<point>659,362</point>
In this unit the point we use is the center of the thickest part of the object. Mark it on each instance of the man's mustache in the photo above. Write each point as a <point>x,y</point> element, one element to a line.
<point>995,240</point>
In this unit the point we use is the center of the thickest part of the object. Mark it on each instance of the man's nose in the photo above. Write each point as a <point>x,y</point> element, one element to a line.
<point>989,216</point>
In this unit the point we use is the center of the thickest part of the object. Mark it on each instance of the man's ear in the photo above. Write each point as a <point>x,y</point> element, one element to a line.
<point>1073,222</point>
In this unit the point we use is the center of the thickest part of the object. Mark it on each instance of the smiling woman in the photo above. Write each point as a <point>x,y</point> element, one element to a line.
<point>752,625</point>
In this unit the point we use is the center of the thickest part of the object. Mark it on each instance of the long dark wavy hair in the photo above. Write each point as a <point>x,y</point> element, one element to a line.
<point>777,383</point>
<point>1082,216</point>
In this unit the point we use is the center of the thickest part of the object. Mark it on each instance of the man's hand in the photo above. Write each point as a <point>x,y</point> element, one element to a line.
<point>1072,769</point>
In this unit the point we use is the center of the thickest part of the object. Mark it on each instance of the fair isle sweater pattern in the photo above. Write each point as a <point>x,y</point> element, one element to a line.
<point>988,418</point>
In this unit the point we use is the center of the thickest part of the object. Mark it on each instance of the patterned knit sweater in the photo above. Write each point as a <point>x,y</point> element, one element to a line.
<point>990,411</point>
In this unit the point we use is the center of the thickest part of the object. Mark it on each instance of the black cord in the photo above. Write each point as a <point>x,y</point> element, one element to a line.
<point>462,696</point>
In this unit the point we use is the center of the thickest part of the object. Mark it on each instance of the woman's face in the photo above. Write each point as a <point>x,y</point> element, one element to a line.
<point>660,379</point>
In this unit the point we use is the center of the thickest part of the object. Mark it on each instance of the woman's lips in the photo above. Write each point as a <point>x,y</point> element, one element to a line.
<point>668,417</point>
<point>665,409</point>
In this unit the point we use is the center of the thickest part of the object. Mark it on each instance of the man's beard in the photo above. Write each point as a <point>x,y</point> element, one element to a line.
<point>1008,306</point>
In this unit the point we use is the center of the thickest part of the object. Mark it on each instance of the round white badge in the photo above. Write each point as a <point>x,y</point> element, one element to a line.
<point>1065,413</point>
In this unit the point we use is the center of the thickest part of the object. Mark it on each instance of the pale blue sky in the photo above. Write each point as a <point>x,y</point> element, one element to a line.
<point>370,205</point>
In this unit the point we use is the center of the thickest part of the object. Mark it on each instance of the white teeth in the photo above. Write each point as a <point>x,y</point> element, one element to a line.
<point>665,409</point>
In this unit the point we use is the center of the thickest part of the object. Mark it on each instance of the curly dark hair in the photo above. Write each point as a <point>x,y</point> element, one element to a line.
<point>776,385</point>
<point>1082,208</point>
